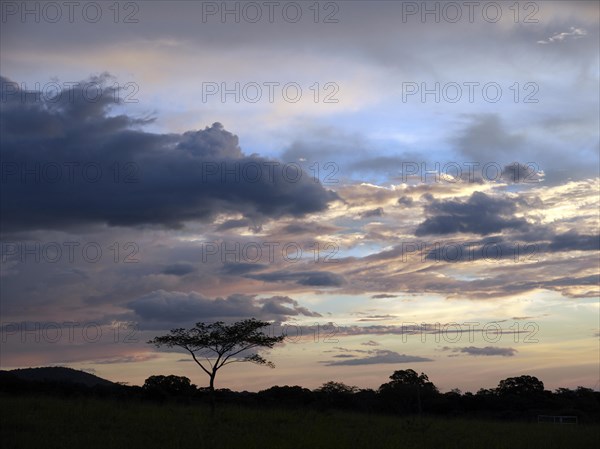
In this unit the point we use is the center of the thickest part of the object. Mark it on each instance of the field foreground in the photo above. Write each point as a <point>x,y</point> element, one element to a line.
<point>50,422</point>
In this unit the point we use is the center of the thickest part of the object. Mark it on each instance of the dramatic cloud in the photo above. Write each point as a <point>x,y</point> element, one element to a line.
<point>73,163</point>
<point>480,214</point>
<point>380,357</point>
<point>178,307</point>
<point>379,166</point>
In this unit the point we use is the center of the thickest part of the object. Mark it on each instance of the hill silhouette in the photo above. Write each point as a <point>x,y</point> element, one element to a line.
<point>407,393</point>
<point>58,374</point>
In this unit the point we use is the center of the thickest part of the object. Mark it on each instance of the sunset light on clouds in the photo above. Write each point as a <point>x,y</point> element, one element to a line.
<point>389,190</point>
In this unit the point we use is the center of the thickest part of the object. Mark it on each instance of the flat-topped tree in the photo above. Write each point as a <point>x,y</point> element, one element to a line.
<point>212,346</point>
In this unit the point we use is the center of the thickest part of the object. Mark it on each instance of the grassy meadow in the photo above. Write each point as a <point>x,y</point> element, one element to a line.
<point>51,422</point>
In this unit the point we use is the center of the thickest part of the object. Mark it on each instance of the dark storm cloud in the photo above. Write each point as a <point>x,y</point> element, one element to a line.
<point>480,214</point>
<point>309,278</point>
<point>171,308</point>
<point>379,357</point>
<point>69,162</point>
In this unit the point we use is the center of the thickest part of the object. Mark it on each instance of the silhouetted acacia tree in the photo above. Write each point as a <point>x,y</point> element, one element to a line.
<point>212,346</point>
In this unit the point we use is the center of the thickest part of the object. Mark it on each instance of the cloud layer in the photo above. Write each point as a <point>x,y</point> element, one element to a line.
<point>75,163</point>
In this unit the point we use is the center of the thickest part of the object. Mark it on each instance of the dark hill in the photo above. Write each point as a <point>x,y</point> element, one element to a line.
<point>60,374</point>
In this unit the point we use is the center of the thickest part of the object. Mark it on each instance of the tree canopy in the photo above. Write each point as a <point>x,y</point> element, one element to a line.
<point>333,387</point>
<point>214,345</point>
<point>403,379</point>
<point>522,385</point>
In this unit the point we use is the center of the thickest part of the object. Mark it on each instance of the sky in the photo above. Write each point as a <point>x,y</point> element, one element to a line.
<point>391,185</point>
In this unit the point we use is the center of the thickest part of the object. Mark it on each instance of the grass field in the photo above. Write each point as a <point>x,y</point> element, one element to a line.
<point>49,422</point>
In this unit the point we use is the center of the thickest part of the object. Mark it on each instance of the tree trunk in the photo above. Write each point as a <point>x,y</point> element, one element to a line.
<point>211,387</point>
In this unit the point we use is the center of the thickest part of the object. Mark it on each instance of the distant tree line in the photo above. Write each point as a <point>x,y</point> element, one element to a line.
<point>406,393</point>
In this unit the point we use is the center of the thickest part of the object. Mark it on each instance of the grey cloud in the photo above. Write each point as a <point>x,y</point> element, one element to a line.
<point>592,279</point>
<point>126,359</point>
<point>572,240</point>
<point>485,138</point>
<point>486,351</point>
<point>308,228</point>
<point>412,330</point>
<point>241,268</point>
<point>377,318</point>
<point>309,278</point>
<point>381,357</point>
<point>277,305</point>
<point>177,308</point>
<point>387,165</point>
<point>241,223</point>
<point>405,201</point>
<point>522,173</point>
<point>520,249</point>
<point>573,34</point>
<point>164,179</point>
<point>378,212</point>
<point>480,214</point>
<point>179,269</point>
